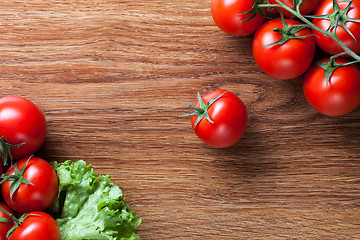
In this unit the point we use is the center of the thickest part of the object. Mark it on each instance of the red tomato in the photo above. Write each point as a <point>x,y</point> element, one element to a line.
<point>5,226</point>
<point>229,117</point>
<point>340,96</point>
<point>21,121</point>
<point>287,60</point>
<point>227,15</point>
<point>37,225</point>
<point>327,44</point>
<point>306,7</point>
<point>28,197</point>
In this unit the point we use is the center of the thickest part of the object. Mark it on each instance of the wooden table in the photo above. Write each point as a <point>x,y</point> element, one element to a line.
<point>113,77</point>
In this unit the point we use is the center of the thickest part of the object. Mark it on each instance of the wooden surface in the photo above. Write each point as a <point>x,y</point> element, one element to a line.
<point>112,77</point>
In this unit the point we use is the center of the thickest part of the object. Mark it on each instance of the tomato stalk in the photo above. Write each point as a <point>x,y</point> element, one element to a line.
<point>338,18</point>
<point>309,24</point>
<point>202,111</point>
<point>331,66</point>
<point>255,10</point>
<point>288,32</point>
<point>16,178</point>
<point>17,222</point>
<point>5,149</point>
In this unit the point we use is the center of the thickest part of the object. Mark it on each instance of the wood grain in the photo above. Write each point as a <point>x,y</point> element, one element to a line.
<point>112,77</point>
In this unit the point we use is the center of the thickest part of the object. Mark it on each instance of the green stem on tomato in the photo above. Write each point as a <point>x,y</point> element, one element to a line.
<point>313,26</point>
<point>200,110</point>
<point>16,221</point>
<point>267,5</point>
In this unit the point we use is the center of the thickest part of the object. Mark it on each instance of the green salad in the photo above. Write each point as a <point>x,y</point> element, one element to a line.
<point>89,206</point>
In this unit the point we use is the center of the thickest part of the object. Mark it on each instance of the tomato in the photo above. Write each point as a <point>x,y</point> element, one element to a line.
<point>306,7</point>
<point>326,43</point>
<point>340,96</point>
<point>36,225</point>
<point>229,117</point>
<point>21,122</point>
<point>5,226</point>
<point>30,197</point>
<point>286,60</point>
<point>227,14</point>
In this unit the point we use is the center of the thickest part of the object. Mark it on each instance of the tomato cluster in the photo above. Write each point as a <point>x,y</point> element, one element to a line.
<point>29,184</point>
<point>286,43</point>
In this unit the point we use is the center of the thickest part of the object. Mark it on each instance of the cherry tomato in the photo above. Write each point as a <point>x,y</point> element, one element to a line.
<point>286,60</point>
<point>37,225</point>
<point>5,226</point>
<point>228,16</point>
<point>340,96</point>
<point>306,7</point>
<point>36,196</point>
<point>21,122</point>
<point>327,44</point>
<point>229,116</point>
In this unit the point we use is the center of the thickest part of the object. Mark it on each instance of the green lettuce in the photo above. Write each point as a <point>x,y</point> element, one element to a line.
<point>89,206</point>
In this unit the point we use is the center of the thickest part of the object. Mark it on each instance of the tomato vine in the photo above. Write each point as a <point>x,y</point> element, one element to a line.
<point>336,17</point>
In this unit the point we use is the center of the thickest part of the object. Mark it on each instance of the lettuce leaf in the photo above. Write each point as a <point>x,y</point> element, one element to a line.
<point>89,206</point>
